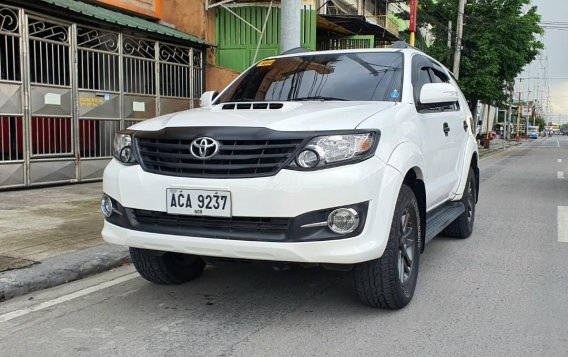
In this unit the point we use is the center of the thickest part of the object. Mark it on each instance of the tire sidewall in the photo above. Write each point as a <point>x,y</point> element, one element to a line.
<point>407,200</point>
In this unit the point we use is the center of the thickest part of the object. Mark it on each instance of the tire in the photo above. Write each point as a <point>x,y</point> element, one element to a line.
<point>389,281</point>
<point>166,268</point>
<point>462,227</point>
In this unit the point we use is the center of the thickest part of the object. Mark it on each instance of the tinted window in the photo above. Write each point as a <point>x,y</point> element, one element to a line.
<point>438,77</point>
<point>340,76</point>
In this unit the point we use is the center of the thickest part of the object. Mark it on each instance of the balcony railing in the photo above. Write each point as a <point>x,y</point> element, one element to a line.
<point>386,22</point>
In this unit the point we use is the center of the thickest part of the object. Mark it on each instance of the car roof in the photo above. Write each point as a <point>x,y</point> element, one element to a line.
<point>359,50</point>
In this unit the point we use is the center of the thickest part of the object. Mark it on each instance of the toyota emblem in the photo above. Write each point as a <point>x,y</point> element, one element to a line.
<point>204,148</point>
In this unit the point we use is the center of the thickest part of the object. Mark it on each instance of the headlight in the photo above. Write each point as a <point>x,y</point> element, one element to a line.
<point>333,150</point>
<point>122,148</point>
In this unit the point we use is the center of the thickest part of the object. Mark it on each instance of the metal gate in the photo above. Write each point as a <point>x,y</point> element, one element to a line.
<point>66,88</point>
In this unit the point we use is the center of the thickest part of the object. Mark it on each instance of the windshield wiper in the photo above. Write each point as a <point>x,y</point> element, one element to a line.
<point>317,97</point>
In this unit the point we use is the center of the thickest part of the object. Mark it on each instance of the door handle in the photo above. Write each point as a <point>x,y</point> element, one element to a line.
<point>446,129</point>
<point>465,126</point>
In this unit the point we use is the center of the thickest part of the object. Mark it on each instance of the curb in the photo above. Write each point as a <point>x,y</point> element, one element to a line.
<point>485,154</point>
<point>62,269</point>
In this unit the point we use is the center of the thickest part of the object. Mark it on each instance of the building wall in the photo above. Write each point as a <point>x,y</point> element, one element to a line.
<point>190,16</point>
<point>238,41</point>
<point>217,78</point>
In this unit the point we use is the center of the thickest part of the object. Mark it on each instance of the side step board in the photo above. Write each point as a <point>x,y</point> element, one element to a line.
<point>441,217</point>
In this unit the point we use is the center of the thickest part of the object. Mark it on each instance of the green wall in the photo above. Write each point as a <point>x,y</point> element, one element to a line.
<point>237,41</point>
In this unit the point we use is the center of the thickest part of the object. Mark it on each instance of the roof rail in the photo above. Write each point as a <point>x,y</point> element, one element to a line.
<point>296,50</point>
<point>402,44</point>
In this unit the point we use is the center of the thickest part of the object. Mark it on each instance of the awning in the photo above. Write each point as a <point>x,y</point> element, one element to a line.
<point>100,14</point>
<point>359,25</point>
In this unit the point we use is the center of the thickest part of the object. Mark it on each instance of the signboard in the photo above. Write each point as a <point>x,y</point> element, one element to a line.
<point>151,8</point>
<point>412,26</point>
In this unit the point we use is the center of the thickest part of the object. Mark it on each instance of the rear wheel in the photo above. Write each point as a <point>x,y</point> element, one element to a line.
<point>462,227</point>
<point>165,267</point>
<point>389,282</point>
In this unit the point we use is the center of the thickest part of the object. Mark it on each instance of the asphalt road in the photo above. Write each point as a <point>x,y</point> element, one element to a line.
<point>502,292</point>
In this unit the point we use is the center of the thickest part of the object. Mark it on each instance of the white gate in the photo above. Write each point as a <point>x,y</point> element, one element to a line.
<point>66,88</point>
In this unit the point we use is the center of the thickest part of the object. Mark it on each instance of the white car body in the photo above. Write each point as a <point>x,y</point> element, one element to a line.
<point>409,141</point>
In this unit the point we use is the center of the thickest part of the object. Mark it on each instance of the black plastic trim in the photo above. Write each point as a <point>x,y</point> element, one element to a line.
<point>293,232</point>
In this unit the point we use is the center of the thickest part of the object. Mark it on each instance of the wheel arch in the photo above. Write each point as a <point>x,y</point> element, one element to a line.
<point>408,160</point>
<point>474,164</point>
<point>414,179</point>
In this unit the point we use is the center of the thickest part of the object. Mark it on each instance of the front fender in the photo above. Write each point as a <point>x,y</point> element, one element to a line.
<point>407,156</point>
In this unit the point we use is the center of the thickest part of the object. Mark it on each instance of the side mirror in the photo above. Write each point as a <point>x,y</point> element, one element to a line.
<point>207,98</point>
<point>436,95</point>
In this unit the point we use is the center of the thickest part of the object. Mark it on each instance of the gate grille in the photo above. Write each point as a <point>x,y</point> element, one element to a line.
<point>83,83</point>
<point>11,138</point>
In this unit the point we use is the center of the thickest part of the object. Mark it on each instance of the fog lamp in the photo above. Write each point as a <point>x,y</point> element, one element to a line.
<point>343,220</point>
<point>106,206</point>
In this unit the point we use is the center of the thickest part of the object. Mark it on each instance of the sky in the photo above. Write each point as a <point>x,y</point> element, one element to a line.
<point>554,60</point>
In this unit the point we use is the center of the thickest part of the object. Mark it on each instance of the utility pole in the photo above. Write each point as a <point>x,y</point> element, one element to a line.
<point>519,109</point>
<point>449,40</point>
<point>450,34</point>
<point>459,32</point>
<point>487,133</point>
<point>290,24</point>
<point>508,122</point>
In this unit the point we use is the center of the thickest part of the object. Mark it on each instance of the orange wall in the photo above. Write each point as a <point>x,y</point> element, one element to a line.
<point>152,8</point>
<point>217,78</point>
<point>190,16</point>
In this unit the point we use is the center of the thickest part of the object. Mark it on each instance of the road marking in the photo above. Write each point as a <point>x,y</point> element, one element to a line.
<point>562,221</point>
<point>44,305</point>
<point>559,161</point>
<point>560,175</point>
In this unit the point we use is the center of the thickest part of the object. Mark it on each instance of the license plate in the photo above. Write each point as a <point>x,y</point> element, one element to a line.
<point>198,202</point>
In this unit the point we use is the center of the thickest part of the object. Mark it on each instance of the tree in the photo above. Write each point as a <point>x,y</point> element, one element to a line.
<point>500,37</point>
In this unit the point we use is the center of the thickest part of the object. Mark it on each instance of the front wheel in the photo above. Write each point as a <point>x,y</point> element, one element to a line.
<point>165,267</point>
<point>389,282</point>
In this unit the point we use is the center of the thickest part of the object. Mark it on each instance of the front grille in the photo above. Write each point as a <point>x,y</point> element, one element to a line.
<point>237,157</point>
<point>211,227</point>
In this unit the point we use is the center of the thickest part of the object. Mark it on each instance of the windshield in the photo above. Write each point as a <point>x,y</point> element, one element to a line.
<point>368,76</point>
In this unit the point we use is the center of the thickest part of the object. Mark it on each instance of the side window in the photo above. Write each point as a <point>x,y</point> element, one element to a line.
<point>422,78</point>
<point>438,77</point>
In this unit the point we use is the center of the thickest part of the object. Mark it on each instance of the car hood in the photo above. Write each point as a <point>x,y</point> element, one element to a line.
<point>291,116</point>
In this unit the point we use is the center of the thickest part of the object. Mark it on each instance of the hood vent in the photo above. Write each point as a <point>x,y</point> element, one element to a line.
<point>251,106</point>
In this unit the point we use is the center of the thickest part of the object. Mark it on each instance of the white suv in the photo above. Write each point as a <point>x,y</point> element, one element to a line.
<point>347,159</point>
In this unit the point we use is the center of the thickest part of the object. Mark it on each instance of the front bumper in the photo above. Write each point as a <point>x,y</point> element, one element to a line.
<point>287,194</point>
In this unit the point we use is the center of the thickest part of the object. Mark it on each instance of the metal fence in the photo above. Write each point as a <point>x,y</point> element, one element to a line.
<point>66,88</point>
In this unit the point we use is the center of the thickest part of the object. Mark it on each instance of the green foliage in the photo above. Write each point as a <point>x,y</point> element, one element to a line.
<point>499,38</point>
<point>541,123</point>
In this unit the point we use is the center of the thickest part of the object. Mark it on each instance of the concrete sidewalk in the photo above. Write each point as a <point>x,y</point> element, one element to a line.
<point>50,236</point>
<point>55,234</point>
<point>498,145</point>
